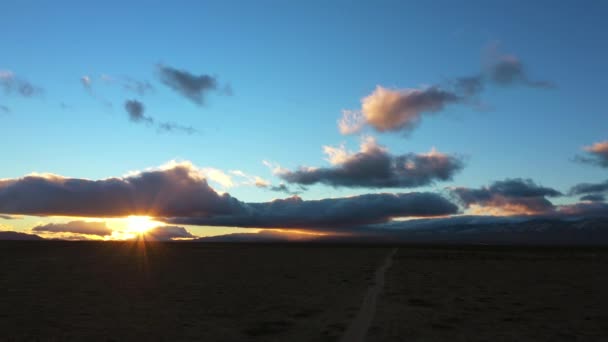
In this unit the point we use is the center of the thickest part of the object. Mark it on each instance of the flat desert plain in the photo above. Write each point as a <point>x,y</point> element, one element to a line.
<point>494,294</point>
<point>126,291</point>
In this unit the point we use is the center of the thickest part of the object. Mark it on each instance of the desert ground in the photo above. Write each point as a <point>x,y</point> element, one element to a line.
<point>121,291</point>
<point>126,291</point>
<point>494,294</point>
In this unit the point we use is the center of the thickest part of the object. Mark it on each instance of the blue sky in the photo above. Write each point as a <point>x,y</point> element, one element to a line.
<point>293,67</point>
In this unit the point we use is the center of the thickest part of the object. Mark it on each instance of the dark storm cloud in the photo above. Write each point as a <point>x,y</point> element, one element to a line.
<point>180,190</point>
<point>76,227</point>
<point>331,213</point>
<point>16,85</point>
<point>597,154</point>
<point>193,87</point>
<point>135,109</point>
<point>168,233</point>
<point>374,167</point>
<point>511,196</point>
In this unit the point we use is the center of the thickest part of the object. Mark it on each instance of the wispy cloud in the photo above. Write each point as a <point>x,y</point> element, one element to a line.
<point>135,109</point>
<point>12,84</point>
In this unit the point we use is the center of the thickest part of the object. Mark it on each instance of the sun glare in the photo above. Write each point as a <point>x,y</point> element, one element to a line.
<point>140,224</point>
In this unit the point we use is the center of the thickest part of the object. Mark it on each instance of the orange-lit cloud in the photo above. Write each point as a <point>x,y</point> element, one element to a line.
<point>508,197</point>
<point>597,154</point>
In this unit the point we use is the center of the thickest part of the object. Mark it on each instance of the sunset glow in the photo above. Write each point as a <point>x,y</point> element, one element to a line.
<point>140,224</point>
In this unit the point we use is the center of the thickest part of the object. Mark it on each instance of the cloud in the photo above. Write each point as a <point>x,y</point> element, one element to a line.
<point>593,198</point>
<point>585,209</point>
<point>193,87</point>
<point>168,233</point>
<point>352,122</point>
<point>262,183</point>
<point>178,189</point>
<point>591,192</point>
<point>509,197</point>
<point>589,188</point>
<point>277,188</point>
<point>329,214</point>
<point>401,110</point>
<point>169,127</point>
<point>396,109</point>
<point>374,167</point>
<point>135,109</point>
<point>75,227</point>
<point>13,84</point>
<point>508,70</point>
<point>86,83</point>
<point>4,109</point>
<point>130,84</point>
<point>218,176</point>
<point>597,154</point>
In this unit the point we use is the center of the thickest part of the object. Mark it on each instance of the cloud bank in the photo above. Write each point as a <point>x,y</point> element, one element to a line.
<point>374,167</point>
<point>331,213</point>
<point>180,194</point>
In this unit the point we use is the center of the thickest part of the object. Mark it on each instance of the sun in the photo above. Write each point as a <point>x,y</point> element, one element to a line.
<point>140,224</point>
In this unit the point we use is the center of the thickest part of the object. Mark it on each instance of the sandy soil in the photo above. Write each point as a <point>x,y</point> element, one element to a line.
<point>494,294</point>
<point>178,291</point>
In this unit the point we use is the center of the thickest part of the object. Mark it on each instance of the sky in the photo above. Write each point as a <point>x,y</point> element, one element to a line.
<point>298,115</point>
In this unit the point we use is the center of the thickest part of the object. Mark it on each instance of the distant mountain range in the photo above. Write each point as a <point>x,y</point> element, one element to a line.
<point>458,230</point>
<point>8,235</point>
<point>453,230</point>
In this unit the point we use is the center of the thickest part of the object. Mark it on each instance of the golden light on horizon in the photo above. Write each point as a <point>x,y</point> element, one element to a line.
<point>140,224</point>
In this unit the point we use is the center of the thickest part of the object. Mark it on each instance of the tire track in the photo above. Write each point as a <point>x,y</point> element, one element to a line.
<point>357,330</point>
